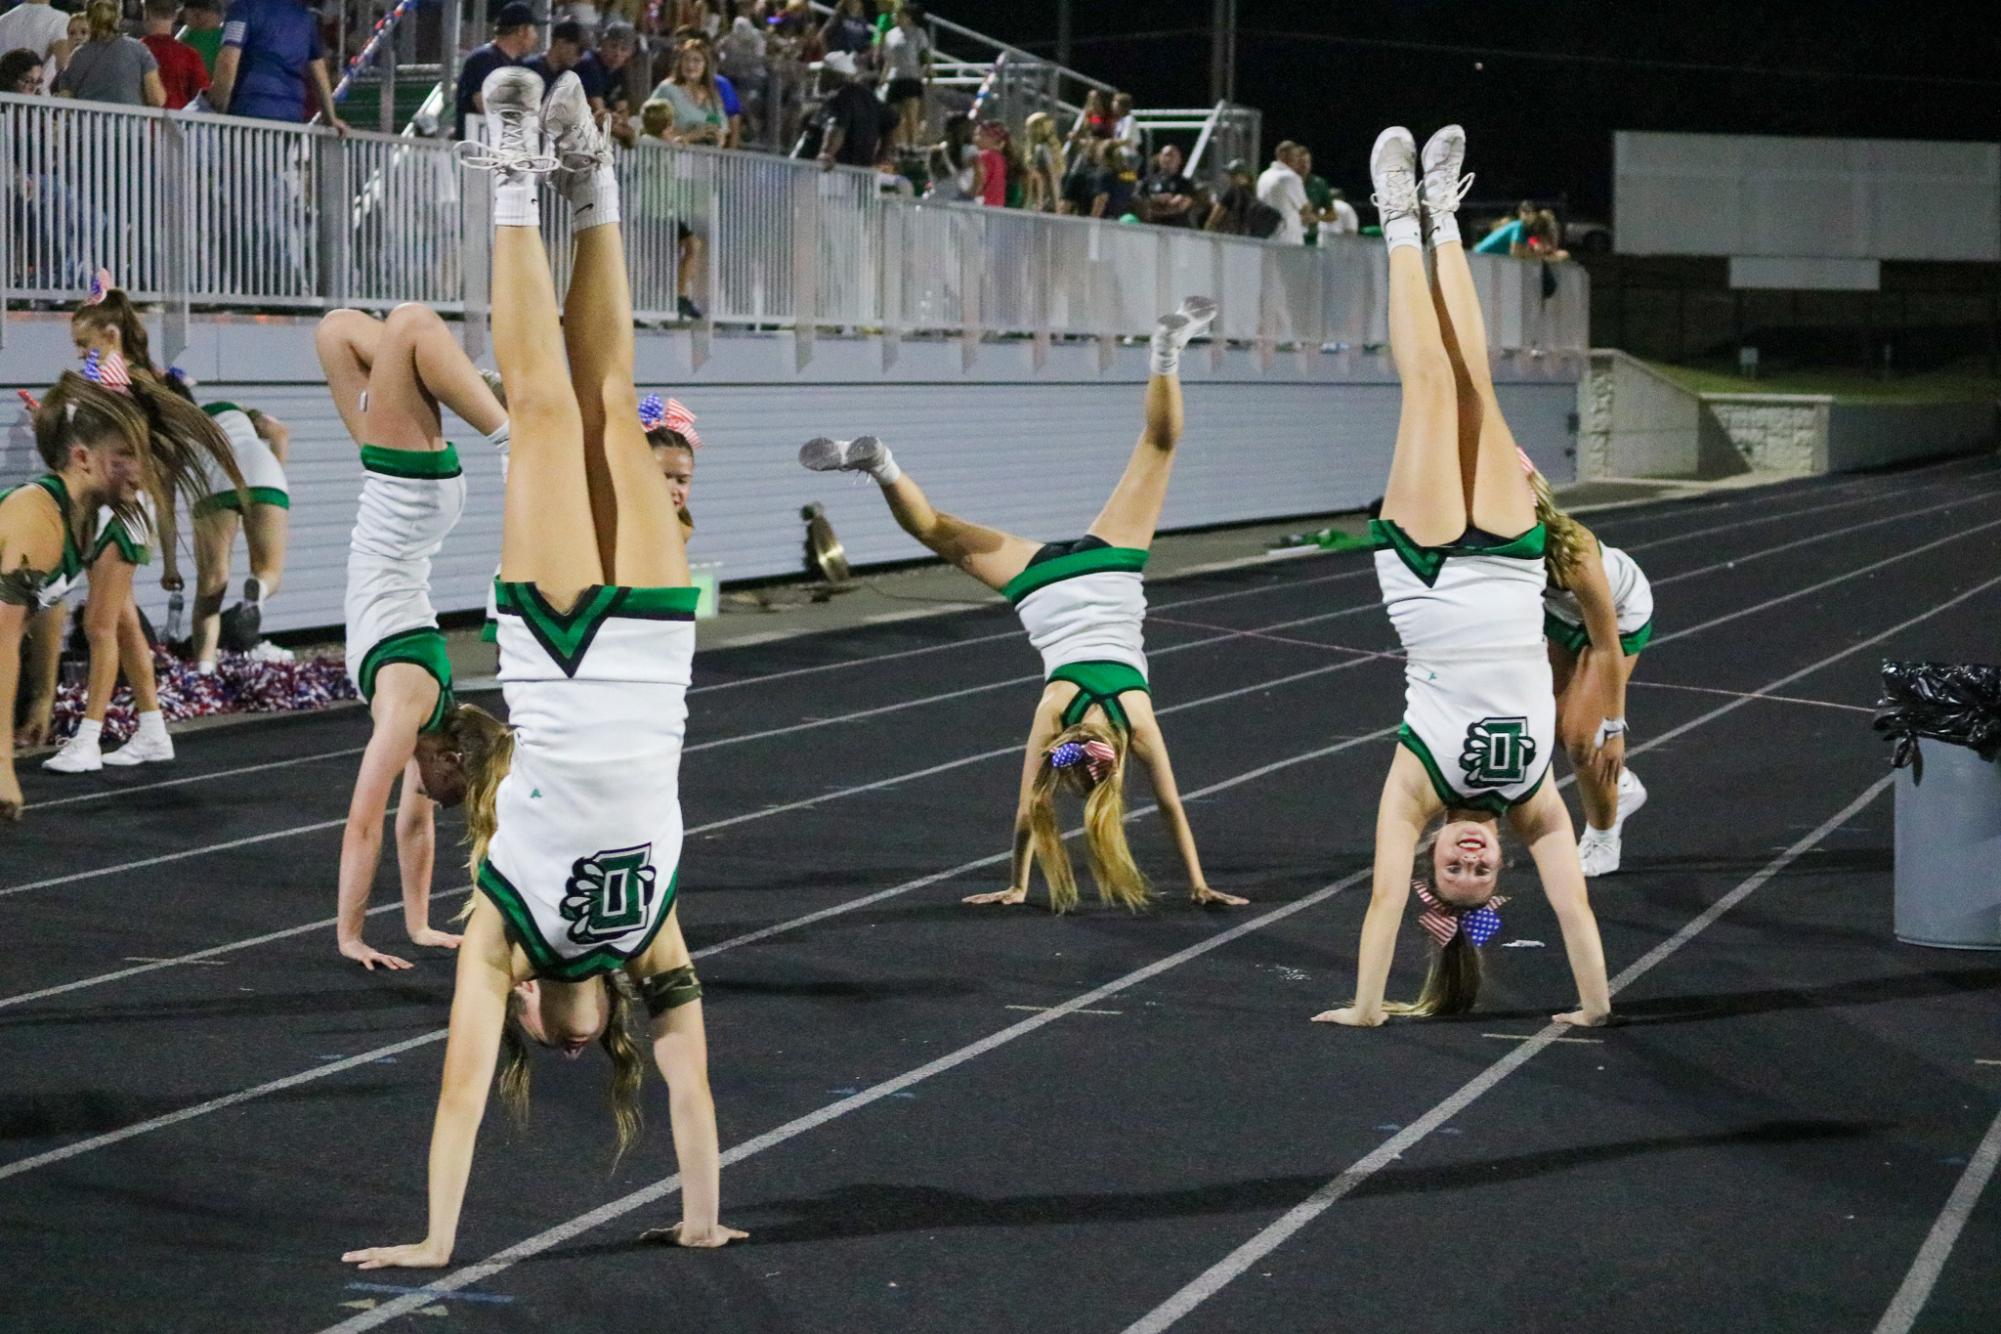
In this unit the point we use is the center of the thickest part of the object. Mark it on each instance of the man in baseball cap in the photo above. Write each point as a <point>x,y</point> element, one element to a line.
<point>514,40</point>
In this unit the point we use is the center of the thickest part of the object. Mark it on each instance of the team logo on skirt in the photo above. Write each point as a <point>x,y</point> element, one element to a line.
<point>608,893</point>
<point>1498,752</point>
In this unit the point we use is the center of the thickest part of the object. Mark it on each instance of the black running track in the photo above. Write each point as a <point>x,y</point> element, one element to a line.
<point>941,1118</point>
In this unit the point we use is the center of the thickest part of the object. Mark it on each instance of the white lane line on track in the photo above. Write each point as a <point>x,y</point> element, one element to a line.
<point>1917,1286</point>
<point>80,1147</point>
<point>713,825</point>
<point>565,1232</point>
<point>1232,1266</point>
<point>1734,525</point>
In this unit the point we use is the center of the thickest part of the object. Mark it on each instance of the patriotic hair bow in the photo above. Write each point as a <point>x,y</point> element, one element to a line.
<point>1444,921</point>
<point>100,287</point>
<point>1097,757</point>
<point>108,370</point>
<point>182,378</point>
<point>656,412</point>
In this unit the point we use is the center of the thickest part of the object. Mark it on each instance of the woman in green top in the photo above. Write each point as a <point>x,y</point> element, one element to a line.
<point>101,447</point>
<point>693,97</point>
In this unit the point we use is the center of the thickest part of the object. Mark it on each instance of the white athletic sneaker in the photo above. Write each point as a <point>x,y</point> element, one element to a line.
<point>1632,796</point>
<point>864,453</point>
<point>77,756</point>
<point>143,749</point>
<point>1393,170</point>
<point>514,149</point>
<point>1444,187</point>
<point>1174,331</point>
<point>1598,850</point>
<point>571,132</point>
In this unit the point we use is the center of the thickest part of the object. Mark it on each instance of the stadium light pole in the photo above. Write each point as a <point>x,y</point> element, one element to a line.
<point>1223,52</point>
<point>1063,33</point>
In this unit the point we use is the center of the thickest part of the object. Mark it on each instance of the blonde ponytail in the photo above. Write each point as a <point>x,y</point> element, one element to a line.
<point>1568,542</point>
<point>486,752</point>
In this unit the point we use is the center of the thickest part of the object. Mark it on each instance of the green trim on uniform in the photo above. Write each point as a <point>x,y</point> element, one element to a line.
<point>1425,562</point>
<point>1569,635</point>
<point>1491,802</point>
<point>1098,560</point>
<point>229,500</point>
<point>544,957</point>
<point>72,562</point>
<point>567,635</point>
<point>117,534</point>
<point>1564,634</point>
<point>217,409</point>
<point>423,647</point>
<point>419,464</point>
<point>489,631</point>
<point>1100,683</point>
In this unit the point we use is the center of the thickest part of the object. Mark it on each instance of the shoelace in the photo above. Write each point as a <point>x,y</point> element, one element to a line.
<point>505,157</point>
<point>1449,204</point>
<point>1399,194</point>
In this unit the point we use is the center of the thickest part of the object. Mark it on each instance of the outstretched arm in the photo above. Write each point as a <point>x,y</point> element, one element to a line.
<point>1021,863</point>
<point>1150,748</point>
<point>41,663</point>
<point>397,715</point>
<point>1407,803</point>
<point>479,1011</point>
<point>110,590</point>
<point>1543,822</point>
<point>416,852</point>
<point>1598,691</point>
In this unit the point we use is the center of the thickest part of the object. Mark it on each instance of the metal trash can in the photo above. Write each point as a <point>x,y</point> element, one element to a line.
<point>1948,878</point>
<point>1945,722</point>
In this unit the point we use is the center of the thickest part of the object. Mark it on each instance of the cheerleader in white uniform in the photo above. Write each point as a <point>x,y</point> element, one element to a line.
<point>1460,561</point>
<point>575,814</point>
<point>1083,604</point>
<point>1598,613</point>
<point>389,378</point>
<point>263,513</point>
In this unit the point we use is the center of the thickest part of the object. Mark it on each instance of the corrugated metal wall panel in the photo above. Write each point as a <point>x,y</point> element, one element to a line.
<point>1035,457</point>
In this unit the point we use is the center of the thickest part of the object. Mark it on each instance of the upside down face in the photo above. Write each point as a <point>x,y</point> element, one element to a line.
<point>1466,862</point>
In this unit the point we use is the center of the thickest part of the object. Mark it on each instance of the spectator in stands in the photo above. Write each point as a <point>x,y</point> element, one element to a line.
<point>956,172</point>
<point>602,73</point>
<point>1046,166</point>
<point>271,57</point>
<point>201,28</point>
<point>1281,189</point>
<point>1084,185</point>
<point>565,52</point>
<point>182,73</point>
<point>1319,196</point>
<point>1545,239</point>
<point>1167,197</point>
<point>1120,177</point>
<point>848,30</point>
<point>38,27</point>
<point>1508,233</point>
<point>741,60</point>
<point>109,66</point>
<point>1095,123</point>
<point>1238,211</point>
<point>852,121</point>
<point>691,95</point>
<point>21,71</point>
<point>1344,222</point>
<point>906,71</point>
<point>725,89</point>
<point>514,40</point>
<point>1125,125</point>
<point>988,137</point>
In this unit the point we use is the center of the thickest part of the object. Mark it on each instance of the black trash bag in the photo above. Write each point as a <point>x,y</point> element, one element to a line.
<point>1956,702</point>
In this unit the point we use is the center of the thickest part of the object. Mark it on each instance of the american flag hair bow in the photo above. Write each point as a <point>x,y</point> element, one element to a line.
<point>107,369</point>
<point>182,378</point>
<point>34,404</point>
<point>100,287</point>
<point>1444,921</point>
<point>656,412</point>
<point>1097,757</point>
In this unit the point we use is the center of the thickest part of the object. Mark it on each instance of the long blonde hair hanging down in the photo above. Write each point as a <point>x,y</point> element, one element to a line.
<point>1118,876</point>
<point>1569,542</point>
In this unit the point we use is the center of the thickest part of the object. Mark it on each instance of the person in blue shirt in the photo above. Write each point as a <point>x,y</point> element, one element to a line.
<point>271,58</point>
<point>514,40</point>
<point>566,52</point>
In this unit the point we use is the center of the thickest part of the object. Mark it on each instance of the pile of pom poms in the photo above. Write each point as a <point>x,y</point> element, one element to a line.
<point>239,684</point>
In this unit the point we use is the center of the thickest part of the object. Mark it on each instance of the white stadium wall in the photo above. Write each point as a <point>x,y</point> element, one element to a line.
<point>1034,450</point>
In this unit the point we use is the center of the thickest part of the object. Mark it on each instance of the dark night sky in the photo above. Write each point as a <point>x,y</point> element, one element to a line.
<point>1559,76</point>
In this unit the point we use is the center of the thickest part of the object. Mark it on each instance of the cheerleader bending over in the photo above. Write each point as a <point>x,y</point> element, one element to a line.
<point>388,378</point>
<point>575,815</point>
<point>1082,604</point>
<point>1598,613</point>
<point>1460,561</point>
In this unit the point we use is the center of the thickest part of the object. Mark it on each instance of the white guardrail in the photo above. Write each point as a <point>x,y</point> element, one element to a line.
<point>213,211</point>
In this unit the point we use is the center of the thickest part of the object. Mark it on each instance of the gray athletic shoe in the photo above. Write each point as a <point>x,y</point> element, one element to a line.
<point>514,145</point>
<point>864,453</point>
<point>572,133</point>
<point>1393,169</point>
<point>1444,154</point>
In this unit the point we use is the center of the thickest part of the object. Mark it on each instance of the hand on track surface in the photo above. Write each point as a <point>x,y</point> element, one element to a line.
<point>1216,898</point>
<point>368,956</point>
<point>416,1255</point>
<point>1008,897</point>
